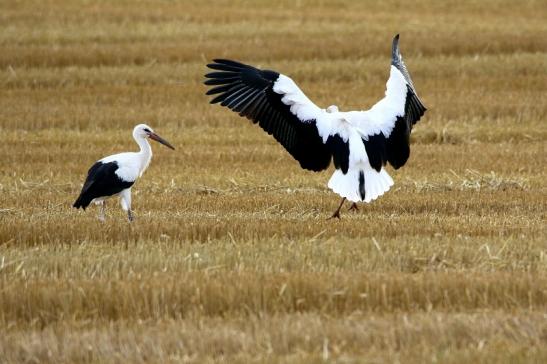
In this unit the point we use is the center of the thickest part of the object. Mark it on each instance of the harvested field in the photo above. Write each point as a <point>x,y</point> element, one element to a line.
<point>231,258</point>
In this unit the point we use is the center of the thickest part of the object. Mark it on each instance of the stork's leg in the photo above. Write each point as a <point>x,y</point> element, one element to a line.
<point>353,207</point>
<point>125,200</point>
<point>102,211</point>
<point>337,212</point>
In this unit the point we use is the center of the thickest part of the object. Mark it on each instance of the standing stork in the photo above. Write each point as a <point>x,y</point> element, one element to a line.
<point>115,175</point>
<point>359,142</point>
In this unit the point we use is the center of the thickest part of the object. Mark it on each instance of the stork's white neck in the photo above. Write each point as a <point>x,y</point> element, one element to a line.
<point>145,152</point>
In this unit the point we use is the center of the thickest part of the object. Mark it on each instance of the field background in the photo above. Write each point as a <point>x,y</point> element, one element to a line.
<point>231,258</point>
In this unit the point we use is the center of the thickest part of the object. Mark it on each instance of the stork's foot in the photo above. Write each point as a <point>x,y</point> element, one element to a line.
<point>335,215</point>
<point>130,216</point>
<point>354,207</point>
<point>337,212</point>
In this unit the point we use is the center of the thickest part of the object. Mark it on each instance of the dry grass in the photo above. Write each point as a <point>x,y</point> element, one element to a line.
<point>231,259</point>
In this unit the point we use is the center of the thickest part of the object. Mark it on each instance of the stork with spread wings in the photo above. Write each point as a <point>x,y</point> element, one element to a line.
<point>360,143</point>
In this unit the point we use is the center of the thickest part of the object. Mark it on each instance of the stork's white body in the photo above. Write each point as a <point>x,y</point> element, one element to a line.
<point>353,127</point>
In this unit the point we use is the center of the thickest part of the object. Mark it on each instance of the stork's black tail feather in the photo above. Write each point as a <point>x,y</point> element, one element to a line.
<point>362,184</point>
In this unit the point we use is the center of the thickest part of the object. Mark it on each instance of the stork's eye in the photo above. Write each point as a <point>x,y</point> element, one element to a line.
<point>147,130</point>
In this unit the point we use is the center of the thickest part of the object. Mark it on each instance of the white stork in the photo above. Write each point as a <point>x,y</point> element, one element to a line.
<point>359,142</point>
<point>115,175</point>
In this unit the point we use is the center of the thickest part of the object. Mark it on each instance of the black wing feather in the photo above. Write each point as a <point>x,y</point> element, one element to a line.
<point>398,143</point>
<point>340,152</point>
<point>414,109</point>
<point>101,181</point>
<point>249,91</point>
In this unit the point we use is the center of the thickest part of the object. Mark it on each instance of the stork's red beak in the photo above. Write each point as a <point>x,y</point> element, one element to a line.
<point>159,139</point>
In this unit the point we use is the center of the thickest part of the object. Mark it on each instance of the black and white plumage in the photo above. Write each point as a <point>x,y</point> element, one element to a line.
<point>115,175</point>
<point>360,143</point>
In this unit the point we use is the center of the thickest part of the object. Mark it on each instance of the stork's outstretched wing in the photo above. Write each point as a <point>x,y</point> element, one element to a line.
<point>276,103</point>
<point>386,126</point>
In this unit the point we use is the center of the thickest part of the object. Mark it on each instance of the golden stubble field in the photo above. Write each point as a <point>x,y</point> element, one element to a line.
<point>231,258</point>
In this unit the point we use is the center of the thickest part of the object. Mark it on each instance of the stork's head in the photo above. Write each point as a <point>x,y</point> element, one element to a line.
<point>332,108</point>
<point>144,131</point>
